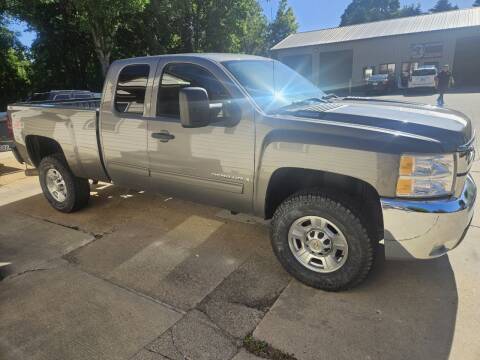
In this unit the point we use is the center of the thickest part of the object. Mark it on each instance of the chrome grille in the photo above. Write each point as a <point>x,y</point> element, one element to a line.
<point>465,157</point>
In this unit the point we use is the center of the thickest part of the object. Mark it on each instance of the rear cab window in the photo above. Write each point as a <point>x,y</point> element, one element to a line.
<point>131,88</point>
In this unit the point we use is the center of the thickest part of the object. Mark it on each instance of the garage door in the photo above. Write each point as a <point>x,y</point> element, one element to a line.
<point>300,63</point>
<point>335,69</point>
<point>466,68</point>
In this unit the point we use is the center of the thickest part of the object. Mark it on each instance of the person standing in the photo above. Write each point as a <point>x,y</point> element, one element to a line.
<point>443,79</point>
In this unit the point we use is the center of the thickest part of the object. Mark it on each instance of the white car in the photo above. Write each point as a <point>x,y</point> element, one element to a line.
<point>423,77</point>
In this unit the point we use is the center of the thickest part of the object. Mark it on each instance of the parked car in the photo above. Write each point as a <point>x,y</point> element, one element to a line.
<point>423,77</point>
<point>336,175</point>
<point>57,95</point>
<point>5,137</point>
<point>380,84</point>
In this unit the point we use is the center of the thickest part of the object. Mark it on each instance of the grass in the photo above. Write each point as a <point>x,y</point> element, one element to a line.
<point>264,350</point>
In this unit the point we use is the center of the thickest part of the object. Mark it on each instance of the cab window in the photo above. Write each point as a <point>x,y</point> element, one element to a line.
<point>131,88</point>
<point>180,75</point>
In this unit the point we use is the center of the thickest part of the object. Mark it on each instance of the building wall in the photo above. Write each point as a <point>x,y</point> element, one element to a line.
<point>376,51</point>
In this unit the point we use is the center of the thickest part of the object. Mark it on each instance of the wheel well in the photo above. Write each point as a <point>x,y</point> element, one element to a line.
<point>39,147</point>
<point>288,181</point>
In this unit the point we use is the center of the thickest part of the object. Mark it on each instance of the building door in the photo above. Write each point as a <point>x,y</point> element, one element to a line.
<point>301,64</point>
<point>335,70</point>
<point>407,68</point>
<point>466,69</point>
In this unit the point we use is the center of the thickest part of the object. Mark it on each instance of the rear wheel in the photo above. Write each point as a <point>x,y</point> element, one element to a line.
<point>63,190</point>
<point>322,242</point>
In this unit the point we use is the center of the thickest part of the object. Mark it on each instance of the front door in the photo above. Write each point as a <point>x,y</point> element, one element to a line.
<point>123,127</point>
<point>212,164</point>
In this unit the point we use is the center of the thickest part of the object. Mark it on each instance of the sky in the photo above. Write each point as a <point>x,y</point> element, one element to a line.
<point>311,14</point>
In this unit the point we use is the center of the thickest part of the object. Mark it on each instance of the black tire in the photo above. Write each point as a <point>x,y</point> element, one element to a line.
<point>77,189</point>
<point>361,248</point>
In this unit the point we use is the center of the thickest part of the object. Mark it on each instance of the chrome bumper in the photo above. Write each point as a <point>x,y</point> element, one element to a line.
<point>427,229</point>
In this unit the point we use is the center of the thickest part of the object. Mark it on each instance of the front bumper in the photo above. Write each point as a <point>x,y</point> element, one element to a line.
<point>427,229</point>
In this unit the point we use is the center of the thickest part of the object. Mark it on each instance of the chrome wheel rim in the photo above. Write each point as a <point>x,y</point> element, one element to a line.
<point>56,185</point>
<point>318,244</point>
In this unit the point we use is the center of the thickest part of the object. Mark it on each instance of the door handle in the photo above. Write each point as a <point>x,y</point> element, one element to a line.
<point>163,136</point>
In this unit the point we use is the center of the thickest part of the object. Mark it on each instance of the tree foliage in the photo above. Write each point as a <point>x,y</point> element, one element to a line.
<point>283,25</point>
<point>14,66</point>
<point>443,5</point>
<point>362,11</point>
<point>76,40</point>
<point>476,3</point>
<point>103,19</point>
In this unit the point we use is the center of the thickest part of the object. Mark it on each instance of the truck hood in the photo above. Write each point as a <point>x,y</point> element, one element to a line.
<point>449,128</point>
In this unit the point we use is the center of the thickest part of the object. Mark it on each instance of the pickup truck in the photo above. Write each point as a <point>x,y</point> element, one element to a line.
<point>338,176</point>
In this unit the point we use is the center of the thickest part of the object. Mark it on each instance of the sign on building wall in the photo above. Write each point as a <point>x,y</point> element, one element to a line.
<point>426,50</point>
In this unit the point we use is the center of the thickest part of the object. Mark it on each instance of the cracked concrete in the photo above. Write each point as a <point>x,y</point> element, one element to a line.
<point>194,337</point>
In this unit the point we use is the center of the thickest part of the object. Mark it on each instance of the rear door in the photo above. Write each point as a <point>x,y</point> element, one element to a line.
<point>124,121</point>
<point>212,164</point>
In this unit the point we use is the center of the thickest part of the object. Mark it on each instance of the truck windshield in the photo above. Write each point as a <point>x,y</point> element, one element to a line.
<point>272,84</point>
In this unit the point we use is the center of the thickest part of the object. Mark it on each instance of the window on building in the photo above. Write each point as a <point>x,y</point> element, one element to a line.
<point>180,75</point>
<point>386,69</point>
<point>408,67</point>
<point>368,71</point>
<point>131,88</point>
<point>433,50</point>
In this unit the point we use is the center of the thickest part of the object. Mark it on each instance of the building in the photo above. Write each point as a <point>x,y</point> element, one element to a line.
<point>345,56</point>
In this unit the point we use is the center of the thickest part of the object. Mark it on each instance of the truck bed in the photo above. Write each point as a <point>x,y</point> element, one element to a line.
<point>72,123</point>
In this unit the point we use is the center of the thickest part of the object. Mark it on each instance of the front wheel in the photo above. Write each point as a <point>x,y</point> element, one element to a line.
<point>63,190</point>
<point>322,242</point>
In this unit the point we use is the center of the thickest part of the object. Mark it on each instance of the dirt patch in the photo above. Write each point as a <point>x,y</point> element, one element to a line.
<point>264,350</point>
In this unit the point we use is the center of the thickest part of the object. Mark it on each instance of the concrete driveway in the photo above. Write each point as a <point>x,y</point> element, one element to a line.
<point>137,276</point>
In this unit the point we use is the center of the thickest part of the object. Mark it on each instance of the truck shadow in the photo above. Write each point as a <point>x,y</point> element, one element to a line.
<point>415,303</point>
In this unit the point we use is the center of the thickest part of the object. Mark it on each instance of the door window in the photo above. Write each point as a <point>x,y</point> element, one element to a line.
<point>131,88</point>
<point>368,72</point>
<point>180,75</point>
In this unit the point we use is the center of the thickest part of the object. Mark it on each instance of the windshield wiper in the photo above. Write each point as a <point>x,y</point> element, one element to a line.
<point>330,96</point>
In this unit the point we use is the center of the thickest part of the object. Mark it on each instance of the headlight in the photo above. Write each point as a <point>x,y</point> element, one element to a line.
<point>426,176</point>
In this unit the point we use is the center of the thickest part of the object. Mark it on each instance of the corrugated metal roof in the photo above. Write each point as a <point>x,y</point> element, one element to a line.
<point>415,24</point>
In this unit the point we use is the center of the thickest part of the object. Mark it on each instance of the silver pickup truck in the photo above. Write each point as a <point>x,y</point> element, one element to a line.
<point>338,176</point>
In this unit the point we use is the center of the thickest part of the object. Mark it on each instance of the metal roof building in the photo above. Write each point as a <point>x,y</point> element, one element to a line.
<point>339,56</point>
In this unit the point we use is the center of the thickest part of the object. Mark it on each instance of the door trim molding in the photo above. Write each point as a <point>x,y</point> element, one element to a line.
<point>207,183</point>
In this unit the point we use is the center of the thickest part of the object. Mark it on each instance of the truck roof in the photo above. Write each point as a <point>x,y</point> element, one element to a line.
<point>217,57</point>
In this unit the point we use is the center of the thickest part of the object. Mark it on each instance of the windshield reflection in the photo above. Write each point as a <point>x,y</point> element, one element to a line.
<point>272,84</point>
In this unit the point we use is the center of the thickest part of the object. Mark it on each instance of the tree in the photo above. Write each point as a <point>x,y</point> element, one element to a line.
<point>63,55</point>
<point>443,5</point>
<point>103,19</point>
<point>362,11</point>
<point>14,66</point>
<point>476,3</point>
<point>410,10</point>
<point>283,25</point>
<point>77,40</point>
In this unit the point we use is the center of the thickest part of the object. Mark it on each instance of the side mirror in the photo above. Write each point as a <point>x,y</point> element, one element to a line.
<point>194,107</point>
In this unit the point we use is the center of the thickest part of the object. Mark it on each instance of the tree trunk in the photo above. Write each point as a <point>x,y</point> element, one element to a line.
<point>104,60</point>
<point>103,50</point>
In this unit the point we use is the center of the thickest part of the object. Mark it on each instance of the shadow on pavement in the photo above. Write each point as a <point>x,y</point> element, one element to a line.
<point>405,309</point>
